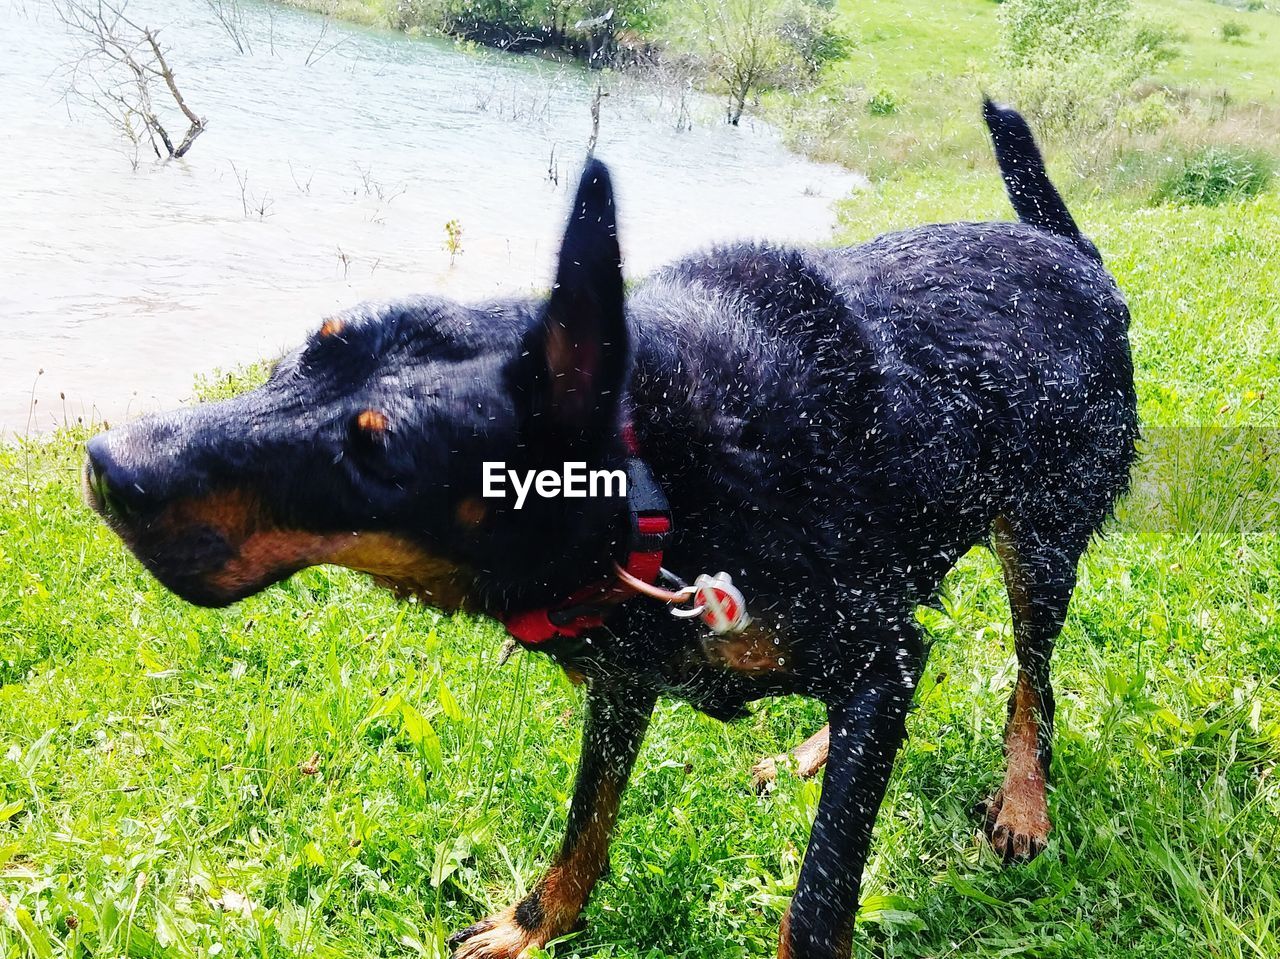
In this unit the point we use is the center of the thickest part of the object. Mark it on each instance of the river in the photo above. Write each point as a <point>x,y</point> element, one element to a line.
<point>333,158</point>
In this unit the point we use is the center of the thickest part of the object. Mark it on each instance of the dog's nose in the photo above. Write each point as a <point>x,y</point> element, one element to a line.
<point>102,480</point>
<point>93,485</point>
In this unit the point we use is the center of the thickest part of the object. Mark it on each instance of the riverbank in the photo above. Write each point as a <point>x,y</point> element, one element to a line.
<point>609,38</point>
<point>898,91</point>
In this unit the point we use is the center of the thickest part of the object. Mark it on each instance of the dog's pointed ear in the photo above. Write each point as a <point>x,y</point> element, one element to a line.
<point>579,346</point>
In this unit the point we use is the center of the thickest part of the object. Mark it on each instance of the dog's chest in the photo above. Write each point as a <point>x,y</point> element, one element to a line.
<point>759,650</point>
<point>720,674</point>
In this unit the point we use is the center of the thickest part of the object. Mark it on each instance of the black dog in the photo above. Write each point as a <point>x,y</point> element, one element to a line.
<point>833,427</point>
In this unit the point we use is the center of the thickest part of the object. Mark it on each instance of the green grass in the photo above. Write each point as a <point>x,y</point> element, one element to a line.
<point>1215,175</point>
<point>370,13</point>
<point>917,41</point>
<point>154,766</point>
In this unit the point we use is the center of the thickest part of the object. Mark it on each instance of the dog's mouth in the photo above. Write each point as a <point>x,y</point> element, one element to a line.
<point>222,548</point>
<point>96,492</point>
<point>200,561</point>
<point>200,565</point>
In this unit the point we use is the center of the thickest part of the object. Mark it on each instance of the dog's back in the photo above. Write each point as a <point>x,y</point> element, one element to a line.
<point>911,388</point>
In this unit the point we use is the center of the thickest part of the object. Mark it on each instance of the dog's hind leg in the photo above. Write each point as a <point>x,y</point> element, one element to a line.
<point>1040,574</point>
<point>805,760</point>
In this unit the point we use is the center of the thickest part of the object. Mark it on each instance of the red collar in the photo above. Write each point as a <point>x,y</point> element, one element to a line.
<point>648,530</point>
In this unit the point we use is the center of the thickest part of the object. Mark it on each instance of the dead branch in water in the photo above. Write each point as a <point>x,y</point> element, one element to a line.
<point>595,119</point>
<point>316,54</point>
<point>250,203</point>
<point>231,18</point>
<point>121,65</point>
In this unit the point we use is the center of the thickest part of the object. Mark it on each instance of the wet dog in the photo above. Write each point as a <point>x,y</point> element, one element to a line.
<point>832,427</point>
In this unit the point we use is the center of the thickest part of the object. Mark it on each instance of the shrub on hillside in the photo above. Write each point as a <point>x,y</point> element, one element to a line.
<point>882,103</point>
<point>1028,27</point>
<point>1147,114</point>
<point>1216,174</point>
<point>1069,62</point>
<point>1232,31</point>
<point>598,30</point>
<point>807,28</point>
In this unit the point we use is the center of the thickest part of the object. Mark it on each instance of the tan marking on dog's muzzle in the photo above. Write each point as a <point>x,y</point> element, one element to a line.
<point>263,553</point>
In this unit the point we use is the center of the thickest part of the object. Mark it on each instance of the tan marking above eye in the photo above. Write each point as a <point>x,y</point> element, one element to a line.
<point>471,512</point>
<point>372,421</point>
<point>332,326</point>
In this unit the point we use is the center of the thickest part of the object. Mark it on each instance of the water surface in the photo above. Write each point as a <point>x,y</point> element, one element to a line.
<point>321,184</point>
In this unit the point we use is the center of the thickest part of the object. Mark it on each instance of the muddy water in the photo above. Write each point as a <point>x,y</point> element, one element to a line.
<point>333,159</point>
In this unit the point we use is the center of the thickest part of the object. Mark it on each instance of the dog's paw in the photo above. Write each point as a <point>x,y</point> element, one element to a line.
<point>764,775</point>
<point>497,937</point>
<point>1017,825</point>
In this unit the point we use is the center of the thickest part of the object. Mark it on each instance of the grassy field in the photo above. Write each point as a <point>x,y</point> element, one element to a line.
<point>322,771</point>
<point>911,43</point>
<point>923,63</point>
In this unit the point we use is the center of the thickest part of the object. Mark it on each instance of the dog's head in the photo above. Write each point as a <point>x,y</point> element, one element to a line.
<point>365,446</point>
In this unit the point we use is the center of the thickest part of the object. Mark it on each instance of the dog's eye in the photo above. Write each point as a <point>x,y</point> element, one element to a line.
<point>369,436</point>
<point>373,450</point>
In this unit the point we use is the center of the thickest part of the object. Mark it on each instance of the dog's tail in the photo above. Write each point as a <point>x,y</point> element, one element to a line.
<point>1035,199</point>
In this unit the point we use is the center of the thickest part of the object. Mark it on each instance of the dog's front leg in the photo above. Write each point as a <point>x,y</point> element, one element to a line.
<point>867,728</point>
<point>617,717</point>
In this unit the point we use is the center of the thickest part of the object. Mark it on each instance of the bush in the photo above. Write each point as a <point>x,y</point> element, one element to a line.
<point>808,28</point>
<point>1069,62</point>
<point>1232,31</point>
<point>1033,28</point>
<point>1215,175</point>
<point>747,46</point>
<point>591,29</point>
<point>1151,113</point>
<point>882,103</point>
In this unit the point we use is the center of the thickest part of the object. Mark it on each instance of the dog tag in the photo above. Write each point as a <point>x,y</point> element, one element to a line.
<point>723,608</point>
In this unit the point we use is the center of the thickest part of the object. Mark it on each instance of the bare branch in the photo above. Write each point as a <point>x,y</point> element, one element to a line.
<point>316,54</point>
<point>117,70</point>
<point>231,18</point>
<point>595,119</point>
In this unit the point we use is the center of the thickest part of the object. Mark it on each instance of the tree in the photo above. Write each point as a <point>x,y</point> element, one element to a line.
<point>231,18</point>
<point>121,66</point>
<point>741,47</point>
<point>751,45</point>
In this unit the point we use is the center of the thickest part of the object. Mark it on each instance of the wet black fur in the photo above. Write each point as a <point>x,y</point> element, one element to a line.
<point>833,427</point>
